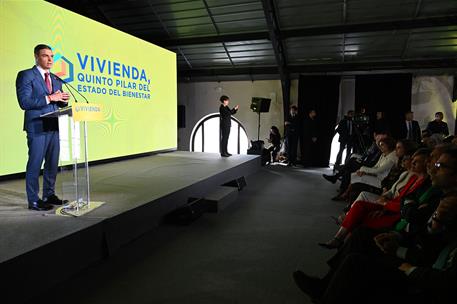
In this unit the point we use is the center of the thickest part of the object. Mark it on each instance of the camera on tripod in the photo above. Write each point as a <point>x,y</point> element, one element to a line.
<point>362,131</point>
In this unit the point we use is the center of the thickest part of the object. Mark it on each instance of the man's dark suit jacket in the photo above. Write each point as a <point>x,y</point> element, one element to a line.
<point>31,94</point>
<point>438,127</point>
<point>226,116</point>
<point>416,136</point>
<point>343,130</point>
<point>293,127</point>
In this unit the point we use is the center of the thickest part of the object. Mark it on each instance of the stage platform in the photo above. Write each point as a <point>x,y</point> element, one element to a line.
<point>41,249</point>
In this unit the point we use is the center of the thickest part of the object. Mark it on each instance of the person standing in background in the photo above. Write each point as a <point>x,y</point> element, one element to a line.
<point>438,126</point>
<point>346,131</point>
<point>291,135</point>
<point>381,125</point>
<point>410,129</point>
<point>225,123</point>
<point>310,140</point>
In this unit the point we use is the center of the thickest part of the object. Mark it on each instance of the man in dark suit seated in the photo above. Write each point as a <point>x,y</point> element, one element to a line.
<point>410,128</point>
<point>39,92</point>
<point>438,126</point>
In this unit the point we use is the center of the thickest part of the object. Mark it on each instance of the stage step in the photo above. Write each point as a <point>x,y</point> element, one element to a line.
<point>220,198</point>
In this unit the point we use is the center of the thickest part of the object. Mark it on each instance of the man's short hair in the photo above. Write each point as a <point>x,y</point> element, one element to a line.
<point>439,113</point>
<point>350,112</point>
<point>409,112</point>
<point>426,133</point>
<point>423,151</point>
<point>294,107</point>
<point>40,47</point>
<point>452,153</point>
<point>224,98</point>
<point>389,142</point>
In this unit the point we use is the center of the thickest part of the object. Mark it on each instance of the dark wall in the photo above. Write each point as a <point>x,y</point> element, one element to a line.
<point>389,93</point>
<point>320,93</point>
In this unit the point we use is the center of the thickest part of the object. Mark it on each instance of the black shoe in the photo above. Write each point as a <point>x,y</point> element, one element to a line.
<point>229,154</point>
<point>54,200</point>
<point>40,206</point>
<point>338,198</point>
<point>334,243</point>
<point>224,155</point>
<point>313,287</point>
<point>330,178</point>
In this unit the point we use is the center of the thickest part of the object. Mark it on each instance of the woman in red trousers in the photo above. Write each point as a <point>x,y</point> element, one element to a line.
<point>383,214</point>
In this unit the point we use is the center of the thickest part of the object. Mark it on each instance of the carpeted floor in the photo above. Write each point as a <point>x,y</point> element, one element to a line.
<point>245,254</point>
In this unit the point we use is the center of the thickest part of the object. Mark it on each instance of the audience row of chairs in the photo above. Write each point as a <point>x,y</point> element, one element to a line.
<point>397,237</point>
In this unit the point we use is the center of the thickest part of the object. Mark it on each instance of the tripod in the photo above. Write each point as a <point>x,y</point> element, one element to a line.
<point>360,143</point>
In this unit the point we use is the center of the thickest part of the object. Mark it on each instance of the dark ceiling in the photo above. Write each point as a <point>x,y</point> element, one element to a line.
<point>221,39</point>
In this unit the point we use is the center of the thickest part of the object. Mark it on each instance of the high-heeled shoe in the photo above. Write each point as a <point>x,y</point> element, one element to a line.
<point>334,243</point>
<point>338,220</point>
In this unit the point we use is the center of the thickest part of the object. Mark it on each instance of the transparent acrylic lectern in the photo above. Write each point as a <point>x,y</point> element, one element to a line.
<point>74,162</point>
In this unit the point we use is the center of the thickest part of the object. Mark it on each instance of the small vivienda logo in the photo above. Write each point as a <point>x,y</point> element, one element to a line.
<point>63,68</point>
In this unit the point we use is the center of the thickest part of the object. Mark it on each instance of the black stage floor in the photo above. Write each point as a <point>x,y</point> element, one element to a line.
<point>43,248</point>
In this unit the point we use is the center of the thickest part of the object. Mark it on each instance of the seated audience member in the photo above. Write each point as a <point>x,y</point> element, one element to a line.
<point>402,148</point>
<point>424,134</point>
<point>369,178</point>
<point>423,271</point>
<point>407,282</point>
<point>369,159</point>
<point>438,126</point>
<point>432,140</point>
<point>382,214</point>
<point>410,128</point>
<point>389,194</point>
<point>448,139</point>
<point>275,141</point>
<point>417,208</point>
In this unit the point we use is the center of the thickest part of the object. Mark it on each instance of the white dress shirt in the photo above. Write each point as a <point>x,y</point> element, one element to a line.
<point>42,72</point>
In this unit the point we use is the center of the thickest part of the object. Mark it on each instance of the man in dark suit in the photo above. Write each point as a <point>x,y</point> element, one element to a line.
<point>410,128</point>
<point>310,152</point>
<point>226,123</point>
<point>438,126</point>
<point>39,92</point>
<point>292,126</point>
<point>346,131</point>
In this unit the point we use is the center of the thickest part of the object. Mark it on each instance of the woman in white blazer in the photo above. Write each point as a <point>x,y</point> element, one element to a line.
<point>369,178</point>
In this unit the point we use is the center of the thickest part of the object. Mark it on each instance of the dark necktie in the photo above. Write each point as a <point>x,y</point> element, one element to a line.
<point>47,79</point>
<point>410,131</point>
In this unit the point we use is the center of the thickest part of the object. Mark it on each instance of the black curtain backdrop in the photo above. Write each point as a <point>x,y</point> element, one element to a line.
<point>389,93</point>
<point>320,93</point>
